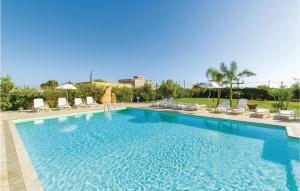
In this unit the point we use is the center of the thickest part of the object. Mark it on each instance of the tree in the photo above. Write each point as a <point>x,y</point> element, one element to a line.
<point>6,87</point>
<point>231,74</point>
<point>215,75</point>
<point>51,84</point>
<point>145,93</point>
<point>123,94</point>
<point>282,97</point>
<point>99,80</point>
<point>169,89</point>
<point>296,90</point>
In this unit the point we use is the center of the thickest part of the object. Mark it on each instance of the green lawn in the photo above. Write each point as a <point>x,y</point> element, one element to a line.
<point>264,104</point>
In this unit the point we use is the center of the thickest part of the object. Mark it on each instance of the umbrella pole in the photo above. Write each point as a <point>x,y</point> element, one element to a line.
<point>67,94</point>
<point>209,98</point>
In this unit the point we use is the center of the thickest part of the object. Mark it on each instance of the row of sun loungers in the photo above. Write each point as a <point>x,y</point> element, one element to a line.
<point>224,107</point>
<point>283,114</point>
<point>169,103</point>
<point>62,103</point>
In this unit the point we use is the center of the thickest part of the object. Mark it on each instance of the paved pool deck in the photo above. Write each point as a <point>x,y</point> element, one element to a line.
<point>18,173</point>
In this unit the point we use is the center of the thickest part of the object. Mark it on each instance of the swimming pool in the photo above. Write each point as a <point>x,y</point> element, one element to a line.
<point>136,149</point>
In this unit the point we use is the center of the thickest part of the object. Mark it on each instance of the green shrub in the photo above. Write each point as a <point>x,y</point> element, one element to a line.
<point>145,93</point>
<point>169,89</point>
<point>123,94</point>
<point>50,97</point>
<point>282,98</point>
<point>296,91</point>
<point>85,90</point>
<point>6,88</point>
<point>22,98</point>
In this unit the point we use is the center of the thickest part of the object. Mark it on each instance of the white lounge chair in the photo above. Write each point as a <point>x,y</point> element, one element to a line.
<point>180,106</point>
<point>160,103</point>
<point>90,101</point>
<point>175,105</point>
<point>164,103</point>
<point>38,105</point>
<point>167,103</point>
<point>223,107</point>
<point>242,107</point>
<point>78,103</point>
<point>262,112</point>
<point>287,114</point>
<point>62,103</point>
<point>156,104</point>
<point>195,106</point>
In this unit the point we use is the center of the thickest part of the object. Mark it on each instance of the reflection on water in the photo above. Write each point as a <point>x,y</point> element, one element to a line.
<point>69,128</point>
<point>78,116</point>
<point>62,119</point>
<point>88,116</point>
<point>36,122</point>
<point>108,115</point>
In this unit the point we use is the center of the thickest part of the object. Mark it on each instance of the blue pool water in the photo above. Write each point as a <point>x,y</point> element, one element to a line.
<point>136,149</point>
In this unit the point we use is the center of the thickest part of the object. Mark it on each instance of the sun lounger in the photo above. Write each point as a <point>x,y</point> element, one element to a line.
<point>179,106</point>
<point>161,103</point>
<point>182,106</point>
<point>167,103</point>
<point>262,112</point>
<point>241,108</point>
<point>156,104</point>
<point>287,114</point>
<point>175,105</point>
<point>78,103</point>
<point>62,103</point>
<point>38,105</point>
<point>223,107</point>
<point>195,106</point>
<point>90,101</point>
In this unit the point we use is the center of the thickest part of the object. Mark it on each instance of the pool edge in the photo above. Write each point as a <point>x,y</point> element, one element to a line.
<point>29,175</point>
<point>62,115</point>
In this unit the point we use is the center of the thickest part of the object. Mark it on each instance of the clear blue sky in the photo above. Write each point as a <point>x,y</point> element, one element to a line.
<point>160,39</point>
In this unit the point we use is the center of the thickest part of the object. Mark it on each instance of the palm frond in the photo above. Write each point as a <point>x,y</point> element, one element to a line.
<point>223,68</point>
<point>246,73</point>
<point>233,67</point>
<point>220,77</point>
<point>212,73</point>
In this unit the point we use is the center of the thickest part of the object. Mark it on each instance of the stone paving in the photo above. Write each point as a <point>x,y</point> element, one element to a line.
<point>17,172</point>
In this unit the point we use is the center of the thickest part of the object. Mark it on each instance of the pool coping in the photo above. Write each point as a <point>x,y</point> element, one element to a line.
<point>28,171</point>
<point>29,174</point>
<point>62,115</point>
<point>3,159</point>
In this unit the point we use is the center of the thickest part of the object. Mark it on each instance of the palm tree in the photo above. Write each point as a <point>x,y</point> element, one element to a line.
<point>215,75</point>
<point>231,74</point>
